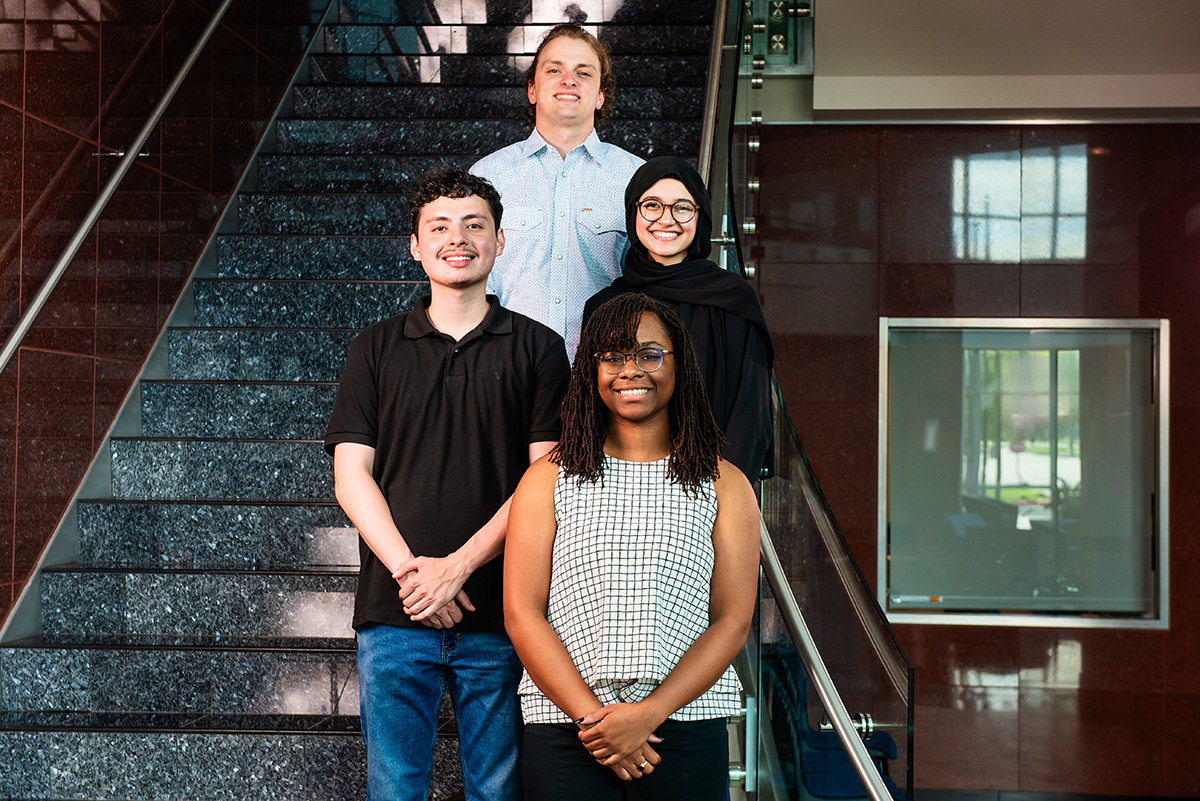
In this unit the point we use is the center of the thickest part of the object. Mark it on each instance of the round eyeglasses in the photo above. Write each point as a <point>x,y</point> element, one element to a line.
<point>682,211</point>
<point>647,359</point>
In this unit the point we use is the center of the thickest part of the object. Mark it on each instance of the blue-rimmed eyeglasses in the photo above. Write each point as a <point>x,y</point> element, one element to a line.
<point>647,359</point>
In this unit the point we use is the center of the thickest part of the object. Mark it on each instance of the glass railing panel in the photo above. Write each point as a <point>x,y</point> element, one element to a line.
<point>859,653</point>
<point>869,669</point>
<point>798,757</point>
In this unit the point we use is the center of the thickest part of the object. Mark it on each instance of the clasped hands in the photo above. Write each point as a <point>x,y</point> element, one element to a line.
<point>431,589</point>
<point>619,736</point>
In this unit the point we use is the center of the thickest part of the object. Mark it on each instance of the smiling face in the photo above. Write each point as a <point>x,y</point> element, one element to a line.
<point>456,241</point>
<point>666,240</point>
<point>565,89</point>
<point>634,395</point>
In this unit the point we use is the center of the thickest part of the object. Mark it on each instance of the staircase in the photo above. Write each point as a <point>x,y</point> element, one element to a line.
<point>201,647</point>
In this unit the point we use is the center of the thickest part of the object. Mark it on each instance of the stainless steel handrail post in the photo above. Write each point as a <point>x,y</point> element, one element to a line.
<point>793,619</point>
<point>131,153</point>
<point>712,91</point>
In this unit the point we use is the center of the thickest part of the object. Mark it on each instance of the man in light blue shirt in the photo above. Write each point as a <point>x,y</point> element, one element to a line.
<point>563,188</point>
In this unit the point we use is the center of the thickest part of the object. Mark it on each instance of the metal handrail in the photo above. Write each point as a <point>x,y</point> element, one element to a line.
<point>712,91</point>
<point>13,342</point>
<point>793,619</point>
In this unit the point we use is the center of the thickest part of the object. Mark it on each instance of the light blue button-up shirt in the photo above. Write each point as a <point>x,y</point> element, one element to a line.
<point>564,227</point>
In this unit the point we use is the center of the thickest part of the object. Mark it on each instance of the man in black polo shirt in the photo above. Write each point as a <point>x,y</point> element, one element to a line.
<point>438,414</point>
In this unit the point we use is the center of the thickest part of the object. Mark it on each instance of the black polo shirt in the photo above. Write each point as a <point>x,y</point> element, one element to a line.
<point>451,424</point>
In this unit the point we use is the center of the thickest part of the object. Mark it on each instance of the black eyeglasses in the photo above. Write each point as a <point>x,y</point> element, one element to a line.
<point>681,211</point>
<point>648,359</point>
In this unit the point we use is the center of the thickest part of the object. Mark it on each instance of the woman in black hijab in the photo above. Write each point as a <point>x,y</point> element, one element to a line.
<point>668,216</point>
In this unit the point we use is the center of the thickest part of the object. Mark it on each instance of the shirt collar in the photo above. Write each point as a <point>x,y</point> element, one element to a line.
<point>498,320</point>
<point>594,147</point>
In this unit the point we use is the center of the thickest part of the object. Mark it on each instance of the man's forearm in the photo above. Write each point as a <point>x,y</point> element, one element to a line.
<point>363,501</point>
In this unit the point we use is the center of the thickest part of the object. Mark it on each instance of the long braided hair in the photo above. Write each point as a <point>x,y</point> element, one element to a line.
<point>696,440</point>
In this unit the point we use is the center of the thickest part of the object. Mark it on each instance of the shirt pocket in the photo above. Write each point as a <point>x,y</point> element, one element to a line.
<point>523,219</point>
<point>601,222</point>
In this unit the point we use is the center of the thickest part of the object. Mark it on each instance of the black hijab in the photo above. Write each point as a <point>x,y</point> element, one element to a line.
<point>696,280</point>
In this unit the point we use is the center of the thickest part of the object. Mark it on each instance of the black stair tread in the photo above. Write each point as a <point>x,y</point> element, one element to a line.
<point>72,720</point>
<point>236,383</point>
<point>246,642</point>
<point>208,570</point>
<point>130,642</point>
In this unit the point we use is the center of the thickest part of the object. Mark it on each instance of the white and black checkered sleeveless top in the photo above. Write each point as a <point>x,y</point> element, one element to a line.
<point>629,586</point>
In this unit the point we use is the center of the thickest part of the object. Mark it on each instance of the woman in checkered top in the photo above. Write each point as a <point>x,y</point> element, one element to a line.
<point>630,574</point>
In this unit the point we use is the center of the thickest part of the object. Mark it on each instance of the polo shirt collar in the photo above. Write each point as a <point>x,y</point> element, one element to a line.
<point>498,319</point>
<point>534,144</point>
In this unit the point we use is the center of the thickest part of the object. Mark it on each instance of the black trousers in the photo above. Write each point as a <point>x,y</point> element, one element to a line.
<point>695,765</point>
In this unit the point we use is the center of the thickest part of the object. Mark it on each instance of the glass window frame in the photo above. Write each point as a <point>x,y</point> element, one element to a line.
<point>1161,362</point>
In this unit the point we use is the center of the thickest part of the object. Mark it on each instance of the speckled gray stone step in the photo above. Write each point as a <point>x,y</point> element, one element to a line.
<point>332,173</point>
<point>479,103</point>
<point>656,137</point>
<point>186,533</point>
<point>81,605</point>
<point>367,258</point>
<point>201,766</point>
<point>282,410</point>
<point>302,304</point>
<point>502,40</point>
<point>155,469</point>
<point>257,354</point>
<point>471,70</point>
<point>232,682</point>
<point>340,214</point>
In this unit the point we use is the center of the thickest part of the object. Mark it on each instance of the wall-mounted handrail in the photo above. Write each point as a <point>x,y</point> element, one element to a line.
<point>131,153</point>
<point>793,619</point>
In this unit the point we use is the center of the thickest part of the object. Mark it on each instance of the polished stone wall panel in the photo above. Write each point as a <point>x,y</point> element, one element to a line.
<point>998,708</point>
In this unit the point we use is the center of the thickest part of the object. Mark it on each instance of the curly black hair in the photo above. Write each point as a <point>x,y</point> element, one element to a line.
<point>452,182</point>
<point>608,81</point>
<point>696,440</point>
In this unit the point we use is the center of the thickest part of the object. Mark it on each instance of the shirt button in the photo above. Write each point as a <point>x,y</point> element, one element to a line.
<point>564,175</point>
<point>597,226</point>
<point>558,300</point>
<point>560,257</point>
<point>562,214</point>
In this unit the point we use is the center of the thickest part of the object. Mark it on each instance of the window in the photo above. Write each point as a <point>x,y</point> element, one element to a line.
<point>1016,206</point>
<point>1022,470</point>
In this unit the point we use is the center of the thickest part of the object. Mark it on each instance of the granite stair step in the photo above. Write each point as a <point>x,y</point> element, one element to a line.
<point>279,410</point>
<point>455,69</point>
<point>164,469</point>
<point>480,103</point>
<point>653,137</point>
<point>257,354</point>
<point>340,214</point>
<point>45,684</point>
<point>277,304</point>
<point>351,173</point>
<point>503,41</point>
<point>223,535</point>
<point>604,14</point>
<point>202,606</point>
<point>214,766</point>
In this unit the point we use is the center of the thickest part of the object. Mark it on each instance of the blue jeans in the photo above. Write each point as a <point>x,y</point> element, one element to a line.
<point>402,674</point>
